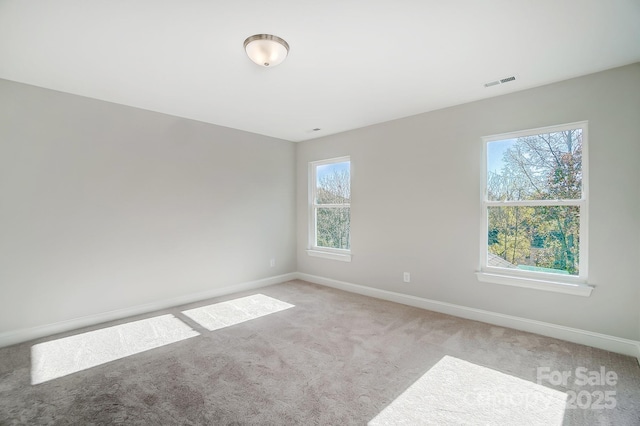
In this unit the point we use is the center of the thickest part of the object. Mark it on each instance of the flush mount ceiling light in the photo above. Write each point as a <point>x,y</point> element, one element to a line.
<point>266,50</point>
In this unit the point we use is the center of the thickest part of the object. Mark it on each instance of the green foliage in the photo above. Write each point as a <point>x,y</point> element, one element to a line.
<point>333,227</point>
<point>539,167</point>
<point>333,222</point>
<point>511,227</point>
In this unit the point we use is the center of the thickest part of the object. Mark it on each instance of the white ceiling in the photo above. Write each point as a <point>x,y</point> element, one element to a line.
<point>352,62</point>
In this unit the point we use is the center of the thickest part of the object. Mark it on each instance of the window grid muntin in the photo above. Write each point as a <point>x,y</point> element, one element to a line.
<point>314,205</point>
<point>581,202</point>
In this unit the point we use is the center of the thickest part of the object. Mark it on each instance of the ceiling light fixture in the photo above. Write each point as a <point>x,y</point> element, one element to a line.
<point>266,50</point>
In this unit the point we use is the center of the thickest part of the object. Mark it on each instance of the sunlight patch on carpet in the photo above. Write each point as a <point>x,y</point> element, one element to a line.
<point>458,392</point>
<point>60,357</point>
<point>225,314</point>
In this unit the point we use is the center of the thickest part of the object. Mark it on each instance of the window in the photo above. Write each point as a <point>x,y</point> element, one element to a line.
<point>330,209</point>
<point>534,196</point>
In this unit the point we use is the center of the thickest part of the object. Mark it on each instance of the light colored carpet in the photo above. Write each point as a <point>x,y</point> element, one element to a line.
<point>456,392</point>
<point>331,358</point>
<point>60,357</point>
<point>236,311</point>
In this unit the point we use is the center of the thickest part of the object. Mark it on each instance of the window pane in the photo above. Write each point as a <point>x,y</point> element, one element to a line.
<point>333,184</point>
<point>542,239</point>
<point>333,227</point>
<point>547,166</point>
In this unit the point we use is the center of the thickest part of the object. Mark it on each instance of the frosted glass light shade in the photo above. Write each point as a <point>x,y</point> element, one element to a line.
<point>266,50</point>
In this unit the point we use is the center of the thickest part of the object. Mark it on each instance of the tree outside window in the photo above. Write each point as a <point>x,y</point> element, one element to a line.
<point>331,204</point>
<point>535,200</point>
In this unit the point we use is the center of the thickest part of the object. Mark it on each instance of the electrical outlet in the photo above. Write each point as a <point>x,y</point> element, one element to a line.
<point>272,263</point>
<point>407,277</point>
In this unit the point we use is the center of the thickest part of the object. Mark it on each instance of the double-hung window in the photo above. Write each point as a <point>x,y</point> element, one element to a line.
<point>534,209</point>
<point>330,208</point>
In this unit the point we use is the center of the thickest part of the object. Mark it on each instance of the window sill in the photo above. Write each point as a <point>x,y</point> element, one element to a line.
<point>576,289</point>
<point>343,257</point>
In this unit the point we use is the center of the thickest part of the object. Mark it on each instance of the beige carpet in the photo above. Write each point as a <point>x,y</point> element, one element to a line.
<point>457,392</point>
<point>298,353</point>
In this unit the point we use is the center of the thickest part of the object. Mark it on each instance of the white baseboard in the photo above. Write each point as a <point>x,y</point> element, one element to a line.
<point>596,340</point>
<point>23,335</point>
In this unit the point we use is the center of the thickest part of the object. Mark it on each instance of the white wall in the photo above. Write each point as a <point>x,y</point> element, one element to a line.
<point>105,207</point>
<point>416,201</point>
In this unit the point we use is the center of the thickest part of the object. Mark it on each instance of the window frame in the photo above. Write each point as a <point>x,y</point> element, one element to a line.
<point>313,249</point>
<point>568,284</point>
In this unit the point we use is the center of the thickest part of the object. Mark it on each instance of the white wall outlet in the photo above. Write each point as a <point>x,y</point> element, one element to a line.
<point>406,277</point>
<point>272,263</point>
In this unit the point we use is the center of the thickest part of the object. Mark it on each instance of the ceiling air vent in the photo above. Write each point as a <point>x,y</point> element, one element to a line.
<point>501,81</point>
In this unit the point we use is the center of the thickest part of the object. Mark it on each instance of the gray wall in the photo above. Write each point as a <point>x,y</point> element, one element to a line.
<point>416,201</point>
<point>104,207</point>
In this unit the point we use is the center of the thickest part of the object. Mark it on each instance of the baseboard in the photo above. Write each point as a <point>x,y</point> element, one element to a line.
<point>24,335</point>
<point>596,340</point>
